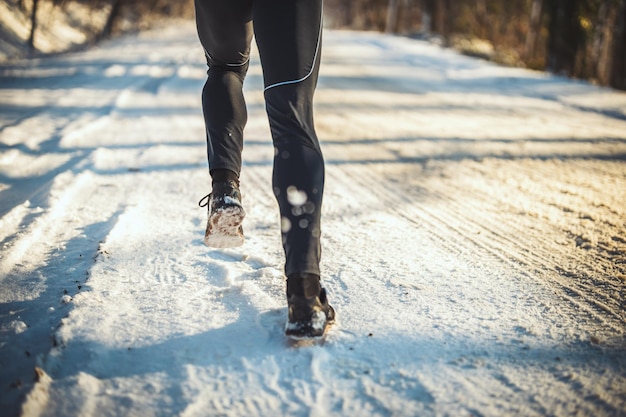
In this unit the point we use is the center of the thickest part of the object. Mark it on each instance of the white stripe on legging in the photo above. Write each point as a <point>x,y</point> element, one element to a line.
<point>317,48</point>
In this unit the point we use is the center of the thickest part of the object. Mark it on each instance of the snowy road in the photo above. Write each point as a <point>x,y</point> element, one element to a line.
<point>474,241</point>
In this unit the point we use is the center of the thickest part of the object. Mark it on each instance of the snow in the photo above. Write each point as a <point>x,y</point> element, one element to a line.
<point>474,240</point>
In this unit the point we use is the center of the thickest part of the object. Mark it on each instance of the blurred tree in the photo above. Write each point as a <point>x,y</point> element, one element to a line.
<point>441,15</point>
<point>618,70</point>
<point>392,16</point>
<point>533,29</point>
<point>601,53</point>
<point>114,13</point>
<point>33,26</point>
<point>565,35</point>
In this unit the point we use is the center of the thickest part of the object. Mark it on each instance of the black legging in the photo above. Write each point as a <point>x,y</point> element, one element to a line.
<point>288,35</point>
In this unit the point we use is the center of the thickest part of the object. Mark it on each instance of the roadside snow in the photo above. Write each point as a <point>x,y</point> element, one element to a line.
<point>474,240</point>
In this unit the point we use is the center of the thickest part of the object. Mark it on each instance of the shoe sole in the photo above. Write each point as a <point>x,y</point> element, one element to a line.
<point>224,228</point>
<point>294,338</point>
<point>330,320</point>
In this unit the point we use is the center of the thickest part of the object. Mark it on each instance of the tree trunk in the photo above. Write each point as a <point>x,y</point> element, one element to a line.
<point>344,13</point>
<point>427,16</point>
<point>618,70</point>
<point>113,15</point>
<point>482,19</point>
<point>439,17</point>
<point>601,51</point>
<point>33,27</point>
<point>392,16</point>
<point>407,21</point>
<point>534,26</point>
<point>438,11</point>
<point>565,36</point>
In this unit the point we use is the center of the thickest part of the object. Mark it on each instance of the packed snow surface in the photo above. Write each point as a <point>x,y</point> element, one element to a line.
<point>474,240</point>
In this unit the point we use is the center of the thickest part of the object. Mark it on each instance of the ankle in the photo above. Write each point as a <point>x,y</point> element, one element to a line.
<point>224,175</point>
<point>303,284</point>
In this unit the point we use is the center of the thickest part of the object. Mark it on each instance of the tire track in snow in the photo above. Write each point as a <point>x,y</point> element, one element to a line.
<point>432,209</point>
<point>532,251</point>
<point>81,101</point>
<point>473,222</point>
<point>47,228</point>
<point>43,268</point>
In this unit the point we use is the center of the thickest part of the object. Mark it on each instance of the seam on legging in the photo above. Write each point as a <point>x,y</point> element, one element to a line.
<point>317,48</point>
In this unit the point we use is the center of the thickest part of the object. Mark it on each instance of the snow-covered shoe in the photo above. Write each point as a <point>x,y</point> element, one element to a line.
<point>309,317</point>
<point>226,214</point>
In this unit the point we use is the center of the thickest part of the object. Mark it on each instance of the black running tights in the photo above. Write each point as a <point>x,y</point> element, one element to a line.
<point>288,36</point>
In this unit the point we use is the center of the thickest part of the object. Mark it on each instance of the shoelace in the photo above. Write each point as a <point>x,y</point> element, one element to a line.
<point>205,200</point>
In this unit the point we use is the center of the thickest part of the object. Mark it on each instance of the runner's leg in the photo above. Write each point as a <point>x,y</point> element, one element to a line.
<point>288,34</point>
<point>225,32</point>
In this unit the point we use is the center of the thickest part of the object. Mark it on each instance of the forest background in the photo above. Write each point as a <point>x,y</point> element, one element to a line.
<point>583,39</point>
